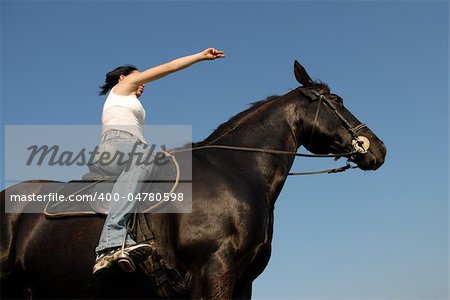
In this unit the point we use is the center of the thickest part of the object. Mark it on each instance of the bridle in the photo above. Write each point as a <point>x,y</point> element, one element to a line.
<point>360,143</point>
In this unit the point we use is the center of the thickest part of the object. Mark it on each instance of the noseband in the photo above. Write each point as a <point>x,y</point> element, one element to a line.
<point>360,143</point>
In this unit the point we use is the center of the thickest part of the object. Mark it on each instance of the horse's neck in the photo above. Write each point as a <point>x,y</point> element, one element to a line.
<point>272,125</point>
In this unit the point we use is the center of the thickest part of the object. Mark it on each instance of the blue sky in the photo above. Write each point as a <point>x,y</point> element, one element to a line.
<point>358,235</point>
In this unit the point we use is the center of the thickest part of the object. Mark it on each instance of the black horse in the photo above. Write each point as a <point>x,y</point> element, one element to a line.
<point>225,243</point>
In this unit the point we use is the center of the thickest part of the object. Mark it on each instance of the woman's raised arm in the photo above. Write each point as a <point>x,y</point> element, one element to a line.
<point>129,83</point>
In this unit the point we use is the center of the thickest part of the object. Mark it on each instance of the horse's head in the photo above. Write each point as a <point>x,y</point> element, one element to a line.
<point>328,127</point>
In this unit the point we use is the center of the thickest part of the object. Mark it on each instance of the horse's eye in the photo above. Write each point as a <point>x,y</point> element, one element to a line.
<point>337,99</point>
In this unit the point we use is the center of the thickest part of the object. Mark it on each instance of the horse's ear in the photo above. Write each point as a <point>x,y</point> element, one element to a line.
<point>301,75</point>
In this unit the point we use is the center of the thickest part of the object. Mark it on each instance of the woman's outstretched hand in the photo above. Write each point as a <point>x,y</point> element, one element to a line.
<point>211,54</point>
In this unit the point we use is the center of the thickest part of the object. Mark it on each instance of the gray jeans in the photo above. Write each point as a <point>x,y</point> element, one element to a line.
<point>129,158</point>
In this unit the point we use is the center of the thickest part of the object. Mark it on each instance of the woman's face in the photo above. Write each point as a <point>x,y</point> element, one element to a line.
<point>140,90</point>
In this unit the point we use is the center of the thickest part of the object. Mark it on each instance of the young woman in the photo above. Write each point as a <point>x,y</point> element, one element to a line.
<point>122,130</point>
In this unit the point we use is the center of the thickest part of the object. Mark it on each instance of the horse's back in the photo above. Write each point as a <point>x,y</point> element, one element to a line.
<point>10,223</point>
<point>32,243</point>
<point>11,273</point>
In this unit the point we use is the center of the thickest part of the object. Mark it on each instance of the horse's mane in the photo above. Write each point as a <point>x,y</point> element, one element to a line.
<point>235,121</point>
<point>255,107</point>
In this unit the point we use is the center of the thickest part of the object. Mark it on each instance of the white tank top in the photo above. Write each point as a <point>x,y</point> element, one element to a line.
<point>124,113</point>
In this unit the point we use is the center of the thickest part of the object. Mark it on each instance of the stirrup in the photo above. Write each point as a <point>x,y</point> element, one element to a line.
<point>126,263</point>
<point>128,258</point>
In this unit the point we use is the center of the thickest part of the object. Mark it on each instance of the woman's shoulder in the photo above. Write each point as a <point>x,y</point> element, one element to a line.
<point>122,90</point>
<point>113,94</point>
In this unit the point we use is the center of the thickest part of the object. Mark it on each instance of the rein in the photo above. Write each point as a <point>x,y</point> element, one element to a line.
<point>170,153</point>
<point>264,150</point>
<point>278,152</point>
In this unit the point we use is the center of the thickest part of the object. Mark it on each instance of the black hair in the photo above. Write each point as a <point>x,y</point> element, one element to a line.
<point>112,78</point>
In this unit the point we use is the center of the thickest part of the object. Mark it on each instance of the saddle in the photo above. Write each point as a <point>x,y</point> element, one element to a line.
<point>167,281</point>
<point>92,194</point>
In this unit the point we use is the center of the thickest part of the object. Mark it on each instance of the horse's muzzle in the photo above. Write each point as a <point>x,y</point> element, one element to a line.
<point>373,158</point>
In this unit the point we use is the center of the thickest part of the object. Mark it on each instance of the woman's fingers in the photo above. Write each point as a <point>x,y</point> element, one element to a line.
<point>213,53</point>
<point>217,53</point>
